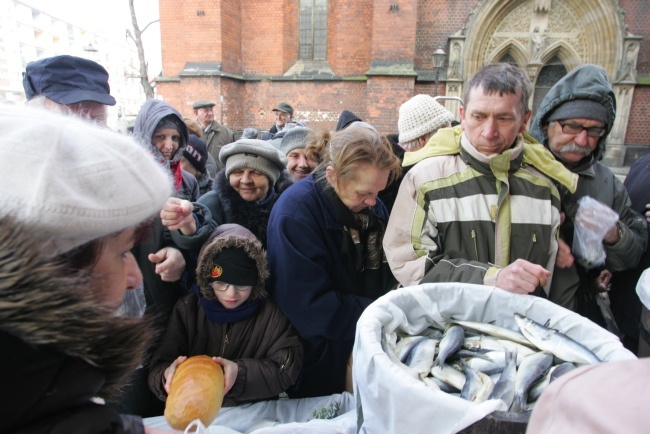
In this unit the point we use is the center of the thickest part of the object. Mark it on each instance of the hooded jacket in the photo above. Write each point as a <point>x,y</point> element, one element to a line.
<point>151,113</point>
<point>265,346</point>
<point>595,180</point>
<point>346,118</point>
<point>61,346</point>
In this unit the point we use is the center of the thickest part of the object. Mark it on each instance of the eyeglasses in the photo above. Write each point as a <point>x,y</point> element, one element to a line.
<point>577,129</point>
<point>279,114</point>
<point>223,287</point>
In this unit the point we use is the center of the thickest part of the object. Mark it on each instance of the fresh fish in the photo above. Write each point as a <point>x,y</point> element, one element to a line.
<point>429,381</point>
<point>536,391</point>
<point>449,375</point>
<point>561,369</point>
<point>485,390</point>
<point>488,367</point>
<point>466,354</point>
<point>496,331</point>
<point>405,345</point>
<point>451,341</point>
<point>483,342</point>
<point>555,342</point>
<point>433,333</point>
<point>421,356</point>
<point>473,383</point>
<point>445,387</point>
<point>531,370</point>
<point>504,389</point>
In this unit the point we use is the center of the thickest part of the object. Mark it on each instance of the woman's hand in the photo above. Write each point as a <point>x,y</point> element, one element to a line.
<point>230,371</point>
<point>177,214</point>
<point>170,371</point>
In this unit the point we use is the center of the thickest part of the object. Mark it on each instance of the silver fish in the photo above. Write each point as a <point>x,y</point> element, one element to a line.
<point>421,356</point>
<point>555,342</point>
<point>483,342</point>
<point>531,370</point>
<point>451,341</point>
<point>561,369</point>
<point>496,331</point>
<point>504,389</point>
<point>472,384</point>
<point>405,345</point>
<point>449,375</point>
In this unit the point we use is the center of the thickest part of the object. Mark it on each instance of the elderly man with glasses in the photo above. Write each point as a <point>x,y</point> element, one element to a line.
<point>573,122</point>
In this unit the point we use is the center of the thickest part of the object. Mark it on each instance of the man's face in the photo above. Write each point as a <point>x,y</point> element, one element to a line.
<point>281,118</point>
<point>492,122</point>
<point>88,110</point>
<point>571,147</point>
<point>205,115</point>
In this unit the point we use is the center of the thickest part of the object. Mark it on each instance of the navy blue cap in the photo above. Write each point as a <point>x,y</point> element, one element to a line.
<point>67,80</point>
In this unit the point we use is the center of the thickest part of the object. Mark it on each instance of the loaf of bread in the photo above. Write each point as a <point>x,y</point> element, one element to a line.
<point>196,392</point>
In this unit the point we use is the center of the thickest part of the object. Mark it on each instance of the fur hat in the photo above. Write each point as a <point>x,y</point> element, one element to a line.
<point>196,153</point>
<point>295,138</point>
<point>74,182</point>
<point>421,115</point>
<point>253,154</point>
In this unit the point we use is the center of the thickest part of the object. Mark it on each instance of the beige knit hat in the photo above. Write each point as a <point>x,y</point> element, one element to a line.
<point>72,181</point>
<point>421,115</point>
<point>253,154</point>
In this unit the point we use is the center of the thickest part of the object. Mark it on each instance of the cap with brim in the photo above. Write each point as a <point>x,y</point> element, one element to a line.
<point>67,80</point>
<point>283,107</point>
<point>202,103</point>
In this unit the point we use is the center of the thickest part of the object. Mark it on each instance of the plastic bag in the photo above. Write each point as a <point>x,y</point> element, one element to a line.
<point>593,220</point>
<point>196,427</point>
<point>134,303</point>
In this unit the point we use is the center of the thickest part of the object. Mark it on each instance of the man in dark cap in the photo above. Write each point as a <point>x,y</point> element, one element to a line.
<point>573,122</point>
<point>283,115</point>
<point>69,84</point>
<point>215,135</point>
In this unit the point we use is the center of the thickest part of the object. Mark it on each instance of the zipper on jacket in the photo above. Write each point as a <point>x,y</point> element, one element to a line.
<point>475,244</point>
<point>224,341</point>
<point>532,246</point>
<point>287,360</point>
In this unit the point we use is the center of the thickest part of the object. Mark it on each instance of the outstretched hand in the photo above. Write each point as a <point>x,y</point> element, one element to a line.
<point>177,214</point>
<point>170,263</point>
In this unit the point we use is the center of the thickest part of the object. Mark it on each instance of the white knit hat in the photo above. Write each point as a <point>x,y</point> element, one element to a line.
<point>72,181</point>
<point>421,115</point>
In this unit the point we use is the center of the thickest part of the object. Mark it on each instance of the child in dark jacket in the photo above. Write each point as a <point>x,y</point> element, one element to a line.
<point>229,316</point>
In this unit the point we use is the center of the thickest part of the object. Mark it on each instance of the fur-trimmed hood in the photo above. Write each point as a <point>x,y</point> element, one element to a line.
<point>227,236</point>
<point>45,305</point>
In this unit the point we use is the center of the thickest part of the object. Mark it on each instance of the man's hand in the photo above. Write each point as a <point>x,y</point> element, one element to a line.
<point>170,264</point>
<point>604,281</point>
<point>564,257</point>
<point>170,371</point>
<point>177,214</point>
<point>522,277</point>
<point>230,371</point>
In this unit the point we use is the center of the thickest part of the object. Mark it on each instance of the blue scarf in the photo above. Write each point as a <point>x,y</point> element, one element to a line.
<point>216,313</point>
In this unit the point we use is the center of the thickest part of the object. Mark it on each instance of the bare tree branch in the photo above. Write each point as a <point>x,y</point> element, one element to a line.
<point>137,38</point>
<point>145,27</point>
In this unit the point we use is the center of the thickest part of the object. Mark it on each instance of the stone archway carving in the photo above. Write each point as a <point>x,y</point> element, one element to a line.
<point>534,31</point>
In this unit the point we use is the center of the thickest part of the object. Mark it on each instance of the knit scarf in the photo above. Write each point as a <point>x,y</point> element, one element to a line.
<point>177,174</point>
<point>217,313</point>
<point>447,142</point>
<point>363,233</point>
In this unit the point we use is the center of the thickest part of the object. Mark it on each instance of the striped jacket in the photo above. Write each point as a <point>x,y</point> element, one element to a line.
<point>462,217</point>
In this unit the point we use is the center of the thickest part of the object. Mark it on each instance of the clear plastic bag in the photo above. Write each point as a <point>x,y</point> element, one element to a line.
<point>134,303</point>
<point>196,427</point>
<point>592,222</point>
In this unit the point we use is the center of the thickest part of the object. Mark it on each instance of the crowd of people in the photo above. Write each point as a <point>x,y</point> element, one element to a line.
<point>262,251</point>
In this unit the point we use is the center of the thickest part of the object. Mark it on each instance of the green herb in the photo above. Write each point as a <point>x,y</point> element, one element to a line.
<point>327,414</point>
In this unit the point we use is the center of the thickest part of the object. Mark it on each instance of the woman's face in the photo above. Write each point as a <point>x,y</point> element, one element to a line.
<point>361,191</point>
<point>252,186</point>
<point>167,140</point>
<point>298,165</point>
<point>116,269</point>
